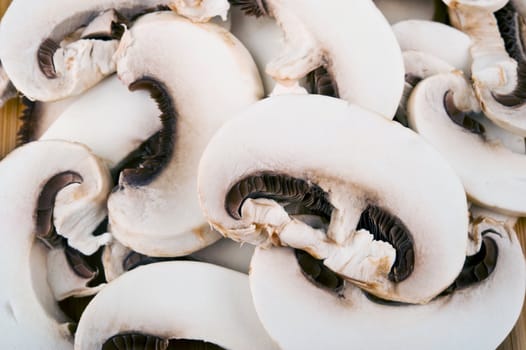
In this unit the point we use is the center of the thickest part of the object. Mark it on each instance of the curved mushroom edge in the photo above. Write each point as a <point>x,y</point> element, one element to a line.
<point>155,153</point>
<point>122,19</point>
<point>138,340</point>
<point>300,197</point>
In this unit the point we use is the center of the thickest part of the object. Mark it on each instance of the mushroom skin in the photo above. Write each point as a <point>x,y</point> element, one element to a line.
<point>493,176</point>
<point>78,65</point>
<point>400,10</point>
<point>185,300</point>
<point>111,120</point>
<point>78,208</point>
<point>497,77</point>
<point>329,34</point>
<point>340,186</point>
<point>477,316</point>
<point>158,214</point>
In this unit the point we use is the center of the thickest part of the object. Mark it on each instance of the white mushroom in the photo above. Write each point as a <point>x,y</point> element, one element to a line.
<point>30,177</point>
<point>330,34</point>
<point>436,39</point>
<point>43,70</point>
<point>155,210</point>
<point>111,120</point>
<point>496,76</point>
<point>184,300</point>
<point>476,312</point>
<point>330,171</point>
<point>493,176</point>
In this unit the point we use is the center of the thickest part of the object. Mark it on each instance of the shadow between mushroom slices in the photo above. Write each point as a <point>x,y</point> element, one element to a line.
<point>477,316</point>
<point>331,36</point>
<point>61,180</point>
<point>186,300</point>
<point>154,210</point>
<point>310,195</point>
<point>47,71</point>
<point>441,110</point>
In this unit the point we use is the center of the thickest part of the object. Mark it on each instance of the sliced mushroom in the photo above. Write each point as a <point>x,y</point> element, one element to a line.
<point>59,179</point>
<point>331,36</point>
<point>440,109</point>
<point>42,69</point>
<point>185,300</point>
<point>476,312</point>
<point>111,120</point>
<point>155,210</point>
<point>315,190</point>
<point>497,77</point>
<point>436,39</point>
<point>418,66</point>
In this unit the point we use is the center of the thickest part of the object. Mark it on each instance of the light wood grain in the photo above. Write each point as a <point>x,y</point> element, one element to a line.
<point>9,124</point>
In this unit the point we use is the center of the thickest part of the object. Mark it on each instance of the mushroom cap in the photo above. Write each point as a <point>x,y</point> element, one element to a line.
<point>81,64</point>
<point>332,35</point>
<point>26,322</point>
<point>493,176</point>
<point>184,299</point>
<point>111,120</point>
<point>307,316</point>
<point>425,36</point>
<point>163,218</point>
<point>318,138</point>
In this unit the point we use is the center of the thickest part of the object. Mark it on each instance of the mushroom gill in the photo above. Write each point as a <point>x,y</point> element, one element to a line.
<point>139,341</point>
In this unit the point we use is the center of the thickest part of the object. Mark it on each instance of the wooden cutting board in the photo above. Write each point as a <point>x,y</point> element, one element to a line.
<point>9,124</point>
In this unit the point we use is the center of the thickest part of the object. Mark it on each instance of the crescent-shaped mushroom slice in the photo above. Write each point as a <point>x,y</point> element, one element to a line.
<point>42,69</point>
<point>476,312</point>
<point>185,301</point>
<point>155,209</point>
<point>329,33</point>
<point>422,36</point>
<point>441,109</point>
<point>498,79</point>
<point>111,120</point>
<point>59,179</point>
<point>331,189</point>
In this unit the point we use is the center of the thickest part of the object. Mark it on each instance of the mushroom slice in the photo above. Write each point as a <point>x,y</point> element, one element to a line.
<point>441,110</point>
<point>61,179</point>
<point>317,191</point>
<point>423,36</point>
<point>42,69</point>
<point>185,300</point>
<point>109,119</point>
<point>155,210</point>
<point>477,312</point>
<point>497,78</point>
<point>418,66</point>
<point>330,35</point>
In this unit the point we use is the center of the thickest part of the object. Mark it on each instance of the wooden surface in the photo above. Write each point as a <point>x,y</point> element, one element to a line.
<point>8,126</point>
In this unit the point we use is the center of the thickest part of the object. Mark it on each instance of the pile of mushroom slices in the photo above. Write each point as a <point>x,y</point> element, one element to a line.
<point>254,174</point>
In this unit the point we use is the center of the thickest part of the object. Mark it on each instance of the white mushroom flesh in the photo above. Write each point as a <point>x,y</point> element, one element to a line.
<point>351,179</point>
<point>163,218</point>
